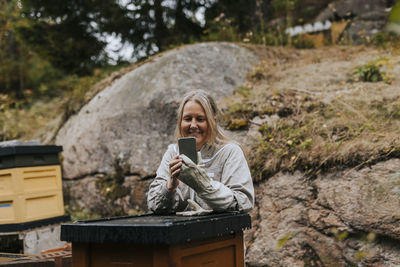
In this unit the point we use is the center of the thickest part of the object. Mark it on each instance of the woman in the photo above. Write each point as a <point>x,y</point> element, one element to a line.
<point>221,183</point>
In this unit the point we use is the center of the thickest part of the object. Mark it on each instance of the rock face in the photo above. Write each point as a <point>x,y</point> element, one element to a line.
<point>130,123</point>
<point>351,8</point>
<point>349,218</point>
<point>366,17</point>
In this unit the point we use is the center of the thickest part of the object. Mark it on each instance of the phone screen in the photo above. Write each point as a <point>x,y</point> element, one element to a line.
<point>187,146</point>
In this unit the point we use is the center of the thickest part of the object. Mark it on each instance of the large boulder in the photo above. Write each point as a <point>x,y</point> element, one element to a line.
<point>132,121</point>
<point>122,133</point>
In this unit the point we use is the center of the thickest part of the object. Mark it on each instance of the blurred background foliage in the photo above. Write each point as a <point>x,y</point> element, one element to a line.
<point>58,49</point>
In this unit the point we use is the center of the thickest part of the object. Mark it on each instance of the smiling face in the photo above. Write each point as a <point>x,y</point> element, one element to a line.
<point>194,123</point>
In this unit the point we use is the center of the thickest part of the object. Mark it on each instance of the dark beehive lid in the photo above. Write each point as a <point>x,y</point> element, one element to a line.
<point>27,156</point>
<point>19,227</point>
<point>152,229</point>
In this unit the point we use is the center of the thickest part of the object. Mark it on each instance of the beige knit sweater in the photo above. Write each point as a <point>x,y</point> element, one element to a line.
<point>232,186</point>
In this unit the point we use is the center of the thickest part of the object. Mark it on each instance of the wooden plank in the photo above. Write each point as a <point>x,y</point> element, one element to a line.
<point>80,255</point>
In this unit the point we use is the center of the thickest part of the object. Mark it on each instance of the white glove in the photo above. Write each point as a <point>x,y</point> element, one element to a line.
<point>196,210</point>
<point>194,176</point>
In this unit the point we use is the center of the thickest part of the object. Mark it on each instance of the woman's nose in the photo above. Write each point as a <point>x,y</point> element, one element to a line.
<point>193,124</point>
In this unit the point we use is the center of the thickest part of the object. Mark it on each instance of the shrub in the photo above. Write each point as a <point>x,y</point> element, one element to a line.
<point>371,71</point>
<point>368,73</point>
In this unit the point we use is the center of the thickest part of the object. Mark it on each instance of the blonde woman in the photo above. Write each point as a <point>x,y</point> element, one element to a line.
<point>221,183</point>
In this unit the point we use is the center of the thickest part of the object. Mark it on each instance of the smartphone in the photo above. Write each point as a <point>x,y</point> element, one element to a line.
<point>187,146</point>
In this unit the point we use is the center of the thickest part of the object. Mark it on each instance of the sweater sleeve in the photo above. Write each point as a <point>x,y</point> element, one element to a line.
<point>235,191</point>
<point>159,199</point>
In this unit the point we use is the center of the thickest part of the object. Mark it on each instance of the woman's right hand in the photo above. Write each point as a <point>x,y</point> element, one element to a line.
<point>174,170</point>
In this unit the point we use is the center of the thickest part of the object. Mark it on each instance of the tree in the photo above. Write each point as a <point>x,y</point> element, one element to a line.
<point>21,69</point>
<point>258,15</point>
<point>69,33</point>
<point>246,14</point>
<point>11,52</point>
<point>64,32</point>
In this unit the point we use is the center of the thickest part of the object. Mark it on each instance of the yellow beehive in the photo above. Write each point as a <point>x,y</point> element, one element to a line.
<point>30,194</point>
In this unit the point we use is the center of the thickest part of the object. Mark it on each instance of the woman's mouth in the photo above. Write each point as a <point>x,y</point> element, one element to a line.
<point>194,133</point>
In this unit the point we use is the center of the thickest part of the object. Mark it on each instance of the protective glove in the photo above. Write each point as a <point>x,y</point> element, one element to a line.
<point>194,176</point>
<point>199,160</point>
<point>196,210</point>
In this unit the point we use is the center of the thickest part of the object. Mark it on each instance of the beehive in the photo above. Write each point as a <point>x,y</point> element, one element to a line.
<point>33,192</point>
<point>30,193</point>
<point>159,240</point>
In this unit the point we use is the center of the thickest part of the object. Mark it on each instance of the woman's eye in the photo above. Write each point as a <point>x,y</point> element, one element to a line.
<point>201,119</point>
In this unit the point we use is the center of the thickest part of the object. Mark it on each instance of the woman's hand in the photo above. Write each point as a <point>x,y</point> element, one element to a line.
<point>174,170</point>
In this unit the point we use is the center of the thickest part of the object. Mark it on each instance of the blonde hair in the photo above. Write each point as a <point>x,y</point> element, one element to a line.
<point>215,134</point>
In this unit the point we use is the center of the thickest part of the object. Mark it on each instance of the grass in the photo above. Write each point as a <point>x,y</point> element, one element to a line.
<point>21,119</point>
<point>31,118</point>
<point>317,129</point>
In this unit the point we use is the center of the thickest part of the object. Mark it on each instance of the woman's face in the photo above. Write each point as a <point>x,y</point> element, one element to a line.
<point>194,123</point>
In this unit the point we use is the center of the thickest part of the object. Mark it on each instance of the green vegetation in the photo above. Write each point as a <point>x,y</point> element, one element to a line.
<point>22,118</point>
<point>112,188</point>
<point>315,132</point>
<point>282,241</point>
<point>78,213</point>
<point>368,73</point>
<point>340,235</point>
<point>371,71</point>
<point>33,63</point>
<point>21,71</point>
